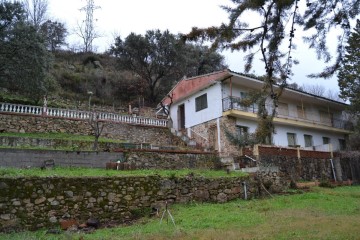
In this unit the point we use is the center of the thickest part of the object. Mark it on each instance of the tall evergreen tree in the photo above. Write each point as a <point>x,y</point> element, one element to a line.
<point>349,74</point>
<point>24,60</point>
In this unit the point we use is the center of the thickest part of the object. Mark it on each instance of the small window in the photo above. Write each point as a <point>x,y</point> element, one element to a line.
<point>326,140</point>
<point>325,117</point>
<point>301,112</point>
<point>342,144</point>
<point>308,140</point>
<point>242,130</point>
<point>291,139</point>
<point>283,109</point>
<point>201,102</point>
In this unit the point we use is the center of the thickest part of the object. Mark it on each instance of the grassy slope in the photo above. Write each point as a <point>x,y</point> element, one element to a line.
<point>96,172</point>
<point>320,214</point>
<point>61,136</point>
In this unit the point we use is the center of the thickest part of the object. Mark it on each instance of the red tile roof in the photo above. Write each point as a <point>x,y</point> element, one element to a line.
<point>189,86</point>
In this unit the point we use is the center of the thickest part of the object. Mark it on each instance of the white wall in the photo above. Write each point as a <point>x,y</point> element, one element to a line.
<point>252,125</point>
<point>280,138</point>
<point>192,118</point>
<point>217,92</point>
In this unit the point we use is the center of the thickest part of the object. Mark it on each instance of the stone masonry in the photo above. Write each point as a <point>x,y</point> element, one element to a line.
<point>32,203</point>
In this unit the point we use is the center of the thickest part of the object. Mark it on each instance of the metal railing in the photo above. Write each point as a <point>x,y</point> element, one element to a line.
<point>80,115</point>
<point>234,103</point>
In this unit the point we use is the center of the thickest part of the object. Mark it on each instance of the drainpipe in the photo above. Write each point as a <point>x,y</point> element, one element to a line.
<point>218,134</point>
<point>245,190</point>
<point>333,169</point>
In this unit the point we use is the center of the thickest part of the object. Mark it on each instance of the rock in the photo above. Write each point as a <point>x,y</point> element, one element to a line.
<point>111,197</point>
<point>221,198</point>
<point>66,224</point>
<point>53,219</point>
<point>83,225</point>
<point>93,222</point>
<point>55,203</point>
<point>3,186</point>
<point>128,197</point>
<point>73,228</point>
<point>66,216</point>
<point>40,200</point>
<point>16,203</point>
<point>202,195</point>
<point>5,217</point>
<point>69,194</point>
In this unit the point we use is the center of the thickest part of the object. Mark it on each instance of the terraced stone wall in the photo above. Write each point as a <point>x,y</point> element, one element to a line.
<point>32,203</point>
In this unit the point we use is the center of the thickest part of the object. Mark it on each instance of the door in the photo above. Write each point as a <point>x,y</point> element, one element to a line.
<point>181,117</point>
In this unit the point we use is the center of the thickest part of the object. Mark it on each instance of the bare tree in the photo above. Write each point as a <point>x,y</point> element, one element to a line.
<point>321,91</point>
<point>86,30</point>
<point>97,127</point>
<point>36,11</point>
<point>334,95</point>
<point>315,89</point>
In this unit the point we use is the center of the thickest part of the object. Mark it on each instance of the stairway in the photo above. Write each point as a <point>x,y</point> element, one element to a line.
<point>183,136</point>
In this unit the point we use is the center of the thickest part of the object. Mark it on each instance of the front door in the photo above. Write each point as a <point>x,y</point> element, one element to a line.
<point>181,117</point>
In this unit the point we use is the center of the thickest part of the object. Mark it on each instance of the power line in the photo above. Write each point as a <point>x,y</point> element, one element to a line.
<point>89,32</point>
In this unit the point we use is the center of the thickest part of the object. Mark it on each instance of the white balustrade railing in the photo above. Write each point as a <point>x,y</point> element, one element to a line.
<point>77,114</point>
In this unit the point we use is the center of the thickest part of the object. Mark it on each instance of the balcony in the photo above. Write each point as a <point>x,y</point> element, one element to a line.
<point>232,107</point>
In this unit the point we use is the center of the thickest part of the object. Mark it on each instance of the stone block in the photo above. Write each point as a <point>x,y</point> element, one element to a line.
<point>66,224</point>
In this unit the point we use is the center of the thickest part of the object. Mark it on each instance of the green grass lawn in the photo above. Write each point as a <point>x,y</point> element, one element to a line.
<point>319,214</point>
<point>98,172</point>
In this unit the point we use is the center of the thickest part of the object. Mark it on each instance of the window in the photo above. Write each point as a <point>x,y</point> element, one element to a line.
<point>326,118</point>
<point>283,109</point>
<point>242,130</point>
<point>201,102</point>
<point>308,140</point>
<point>342,144</point>
<point>301,112</point>
<point>326,140</point>
<point>291,139</point>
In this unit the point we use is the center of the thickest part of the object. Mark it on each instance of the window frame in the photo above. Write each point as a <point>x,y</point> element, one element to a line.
<point>328,140</point>
<point>310,138</point>
<point>294,137</point>
<point>201,102</point>
<point>242,130</point>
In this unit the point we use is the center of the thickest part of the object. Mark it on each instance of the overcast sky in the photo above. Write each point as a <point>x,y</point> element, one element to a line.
<point>121,17</point>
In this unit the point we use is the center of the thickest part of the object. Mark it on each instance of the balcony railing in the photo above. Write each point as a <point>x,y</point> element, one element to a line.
<point>80,115</point>
<point>234,103</point>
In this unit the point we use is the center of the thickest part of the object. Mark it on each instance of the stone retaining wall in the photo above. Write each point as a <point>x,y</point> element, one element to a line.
<point>32,203</point>
<point>119,131</point>
<point>35,158</point>
<point>307,169</point>
<point>142,160</point>
<point>163,160</point>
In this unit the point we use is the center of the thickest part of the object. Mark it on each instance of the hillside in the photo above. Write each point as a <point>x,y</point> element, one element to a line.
<point>75,75</point>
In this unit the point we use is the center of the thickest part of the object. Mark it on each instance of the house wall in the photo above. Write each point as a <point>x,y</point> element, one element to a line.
<point>312,112</point>
<point>280,138</point>
<point>192,118</point>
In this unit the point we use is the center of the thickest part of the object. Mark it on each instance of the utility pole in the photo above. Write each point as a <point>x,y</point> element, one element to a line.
<point>88,33</point>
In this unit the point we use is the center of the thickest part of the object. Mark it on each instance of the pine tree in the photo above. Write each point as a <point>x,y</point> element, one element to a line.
<point>349,73</point>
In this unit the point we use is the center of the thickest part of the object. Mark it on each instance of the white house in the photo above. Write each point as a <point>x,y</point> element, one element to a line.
<point>204,106</point>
